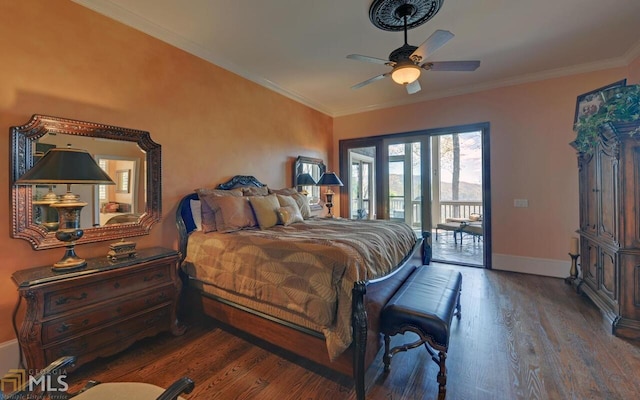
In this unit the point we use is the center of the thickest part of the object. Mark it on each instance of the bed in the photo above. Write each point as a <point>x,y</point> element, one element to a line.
<point>328,310</point>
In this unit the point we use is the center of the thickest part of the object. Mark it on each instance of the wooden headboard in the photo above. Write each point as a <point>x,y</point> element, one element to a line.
<point>184,217</point>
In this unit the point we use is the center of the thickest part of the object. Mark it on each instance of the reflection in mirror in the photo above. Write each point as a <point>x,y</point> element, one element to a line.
<point>114,211</point>
<point>120,203</point>
<point>314,167</point>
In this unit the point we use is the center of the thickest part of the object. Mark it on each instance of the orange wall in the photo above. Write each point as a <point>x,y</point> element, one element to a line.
<point>634,70</point>
<point>64,60</point>
<point>61,59</point>
<point>531,128</point>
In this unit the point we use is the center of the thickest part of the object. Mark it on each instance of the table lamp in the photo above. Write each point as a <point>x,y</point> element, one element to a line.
<point>67,166</point>
<point>329,179</point>
<point>305,180</point>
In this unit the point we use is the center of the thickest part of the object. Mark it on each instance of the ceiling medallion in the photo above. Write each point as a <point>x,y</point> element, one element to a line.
<point>388,15</point>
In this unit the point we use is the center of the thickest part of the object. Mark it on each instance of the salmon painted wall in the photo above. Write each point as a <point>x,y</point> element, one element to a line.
<point>61,59</point>
<point>634,71</point>
<point>530,132</point>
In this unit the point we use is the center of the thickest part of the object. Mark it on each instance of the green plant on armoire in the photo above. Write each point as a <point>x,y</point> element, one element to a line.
<point>618,105</point>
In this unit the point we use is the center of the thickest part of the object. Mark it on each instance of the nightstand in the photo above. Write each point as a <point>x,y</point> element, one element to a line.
<point>98,310</point>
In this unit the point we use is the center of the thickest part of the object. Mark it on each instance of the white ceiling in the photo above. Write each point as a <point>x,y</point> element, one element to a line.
<point>298,47</point>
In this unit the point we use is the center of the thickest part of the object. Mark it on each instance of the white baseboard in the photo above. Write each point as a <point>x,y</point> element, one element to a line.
<point>530,265</point>
<point>9,358</point>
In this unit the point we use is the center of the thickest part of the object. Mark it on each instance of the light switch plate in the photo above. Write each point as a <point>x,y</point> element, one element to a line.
<point>520,203</point>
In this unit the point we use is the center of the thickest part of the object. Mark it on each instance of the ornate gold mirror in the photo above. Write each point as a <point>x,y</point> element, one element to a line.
<point>129,156</point>
<point>315,168</point>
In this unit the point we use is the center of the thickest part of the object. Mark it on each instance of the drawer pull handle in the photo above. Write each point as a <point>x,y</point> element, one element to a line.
<point>65,327</point>
<point>152,277</point>
<point>64,300</point>
<point>116,285</point>
<point>159,298</point>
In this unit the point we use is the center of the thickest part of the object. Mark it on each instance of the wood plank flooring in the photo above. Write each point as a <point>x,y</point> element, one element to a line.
<point>520,337</point>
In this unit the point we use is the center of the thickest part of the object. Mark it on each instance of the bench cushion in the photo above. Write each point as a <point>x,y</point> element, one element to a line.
<point>426,301</point>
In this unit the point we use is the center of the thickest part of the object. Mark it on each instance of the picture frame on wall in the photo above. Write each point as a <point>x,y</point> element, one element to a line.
<point>589,103</point>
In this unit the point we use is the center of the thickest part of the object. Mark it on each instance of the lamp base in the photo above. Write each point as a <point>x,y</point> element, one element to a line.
<point>329,212</point>
<point>69,261</point>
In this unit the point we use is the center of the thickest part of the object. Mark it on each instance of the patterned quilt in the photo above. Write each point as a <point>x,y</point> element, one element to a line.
<point>307,269</point>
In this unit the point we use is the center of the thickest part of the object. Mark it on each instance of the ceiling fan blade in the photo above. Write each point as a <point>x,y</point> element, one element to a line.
<point>433,43</point>
<point>413,87</point>
<point>374,60</point>
<point>451,65</point>
<point>370,80</point>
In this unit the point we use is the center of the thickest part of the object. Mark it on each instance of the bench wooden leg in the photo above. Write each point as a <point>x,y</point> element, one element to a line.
<point>386,358</point>
<point>442,376</point>
<point>458,313</point>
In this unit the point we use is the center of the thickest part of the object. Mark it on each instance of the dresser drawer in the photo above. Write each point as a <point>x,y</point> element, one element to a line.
<point>114,338</point>
<point>73,324</point>
<point>96,290</point>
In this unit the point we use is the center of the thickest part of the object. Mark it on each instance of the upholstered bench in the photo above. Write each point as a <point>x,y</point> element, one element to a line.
<point>425,304</point>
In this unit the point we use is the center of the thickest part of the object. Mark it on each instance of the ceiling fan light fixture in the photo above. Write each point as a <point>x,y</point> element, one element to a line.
<point>405,74</point>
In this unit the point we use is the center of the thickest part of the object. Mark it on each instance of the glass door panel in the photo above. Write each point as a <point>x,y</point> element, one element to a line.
<point>405,183</point>
<point>362,183</point>
<point>457,198</point>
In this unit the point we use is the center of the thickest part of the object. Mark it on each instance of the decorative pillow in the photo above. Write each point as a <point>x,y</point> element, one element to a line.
<point>287,201</point>
<point>231,213</point>
<point>303,204</point>
<point>475,217</point>
<point>196,213</point>
<point>301,200</point>
<point>284,192</point>
<point>287,215</point>
<point>254,191</point>
<point>208,216</point>
<point>264,207</point>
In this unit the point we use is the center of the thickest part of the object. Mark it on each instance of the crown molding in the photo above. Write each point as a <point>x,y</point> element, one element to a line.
<point>135,21</point>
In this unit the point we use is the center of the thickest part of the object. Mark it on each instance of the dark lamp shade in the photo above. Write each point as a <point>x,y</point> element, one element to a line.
<point>66,165</point>
<point>329,179</point>
<point>305,180</point>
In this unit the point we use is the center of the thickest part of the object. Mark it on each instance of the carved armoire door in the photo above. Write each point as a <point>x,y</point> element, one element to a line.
<point>589,197</point>
<point>607,188</point>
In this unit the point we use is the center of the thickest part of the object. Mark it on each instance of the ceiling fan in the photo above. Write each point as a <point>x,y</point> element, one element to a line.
<point>408,61</point>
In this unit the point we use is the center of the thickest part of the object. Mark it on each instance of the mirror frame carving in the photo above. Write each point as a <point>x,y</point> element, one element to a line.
<point>21,160</point>
<point>297,170</point>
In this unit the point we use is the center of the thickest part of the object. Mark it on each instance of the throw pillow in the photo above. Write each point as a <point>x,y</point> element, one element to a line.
<point>231,213</point>
<point>287,215</point>
<point>264,207</point>
<point>208,216</point>
<point>254,191</point>
<point>196,213</point>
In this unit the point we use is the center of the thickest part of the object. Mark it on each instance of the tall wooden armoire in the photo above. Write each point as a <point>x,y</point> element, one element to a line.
<point>610,226</point>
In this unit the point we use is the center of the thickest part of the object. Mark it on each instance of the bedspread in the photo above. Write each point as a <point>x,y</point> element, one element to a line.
<point>307,269</point>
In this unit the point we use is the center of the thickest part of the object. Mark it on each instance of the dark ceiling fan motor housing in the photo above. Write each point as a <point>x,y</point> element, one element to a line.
<point>388,15</point>
<point>402,53</point>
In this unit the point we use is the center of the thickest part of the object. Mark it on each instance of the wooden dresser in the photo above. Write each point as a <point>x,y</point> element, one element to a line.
<point>609,191</point>
<point>100,309</point>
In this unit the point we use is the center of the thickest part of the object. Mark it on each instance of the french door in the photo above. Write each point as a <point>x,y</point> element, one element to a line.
<point>428,179</point>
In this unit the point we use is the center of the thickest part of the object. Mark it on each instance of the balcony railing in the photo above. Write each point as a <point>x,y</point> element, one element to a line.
<point>459,209</point>
<point>448,209</point>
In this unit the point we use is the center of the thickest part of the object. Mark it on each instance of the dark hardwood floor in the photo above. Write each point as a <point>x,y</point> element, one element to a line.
<point>520,337</point>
